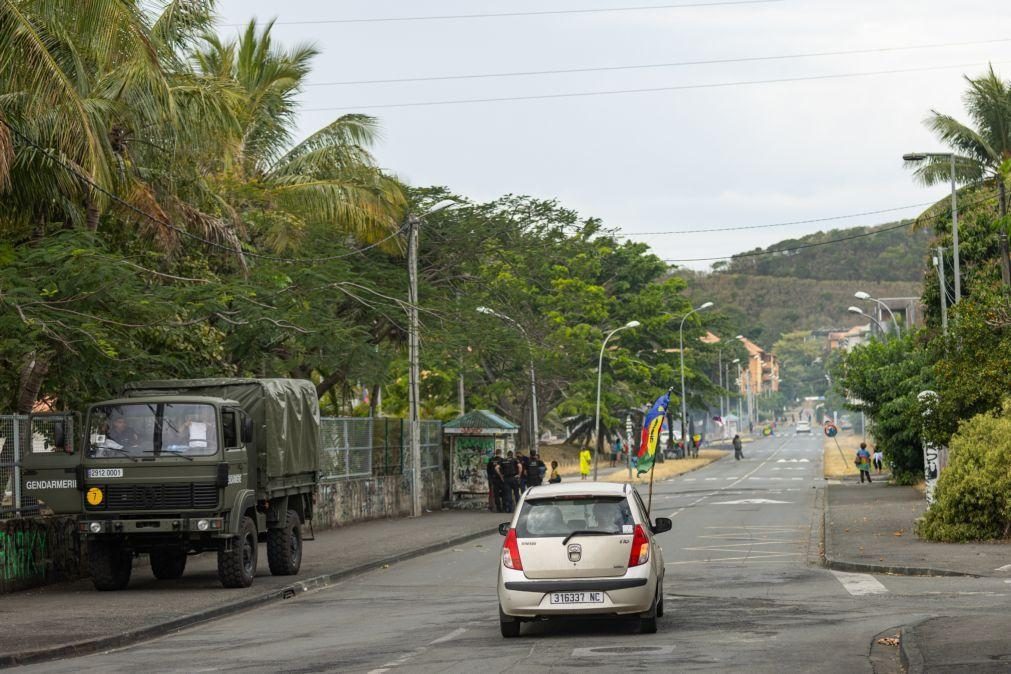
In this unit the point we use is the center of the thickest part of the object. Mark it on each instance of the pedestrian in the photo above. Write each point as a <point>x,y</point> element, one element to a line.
<point>511,477</point>
<point>524,462</point>
<point>495,486</point>
<point>535,470</point>
<point>863,462</point>
<point>615,451</point>
<point>585,459</point>
<point>879,459</point>
<point>696,443</point>
<point>738,448</point>
<point>555,477</point>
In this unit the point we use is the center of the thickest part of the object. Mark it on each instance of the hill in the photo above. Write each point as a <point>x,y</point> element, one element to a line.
<point>894,253</point>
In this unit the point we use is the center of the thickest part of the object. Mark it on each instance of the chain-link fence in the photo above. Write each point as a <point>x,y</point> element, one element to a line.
<point>365,446</point>
<point>20,435</point>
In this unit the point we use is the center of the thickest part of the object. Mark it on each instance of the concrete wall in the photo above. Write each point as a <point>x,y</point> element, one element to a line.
<point>38,551</point>
<point>348,501</point>
<point>43,550</point>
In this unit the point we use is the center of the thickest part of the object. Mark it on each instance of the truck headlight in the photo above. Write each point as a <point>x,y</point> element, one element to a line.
<point>203,525</point>
<point>96,527</point>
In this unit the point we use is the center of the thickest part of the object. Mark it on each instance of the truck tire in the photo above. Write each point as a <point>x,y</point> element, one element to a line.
<point>168,563</point>
<point>237,566</point>
<point>284,546</point>
<point>110,565</point>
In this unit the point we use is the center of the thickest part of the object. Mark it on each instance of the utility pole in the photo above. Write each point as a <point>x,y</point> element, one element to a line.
<point>414,419</point>
<point>939,263</point>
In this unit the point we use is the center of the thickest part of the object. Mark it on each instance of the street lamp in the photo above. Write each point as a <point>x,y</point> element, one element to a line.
<point>535,432</point>
<point>861,295</point>
<point>414,420</point>
<point>681,350</point>
<point>915,157</point>
<point>600,368</point>
<point>740,412</point>
<point>858,310</point>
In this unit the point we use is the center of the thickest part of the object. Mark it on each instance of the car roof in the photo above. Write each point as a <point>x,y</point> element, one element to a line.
<point>581,488</point>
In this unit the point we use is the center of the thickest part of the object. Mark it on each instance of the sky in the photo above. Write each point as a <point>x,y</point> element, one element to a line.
<point>680,158</point>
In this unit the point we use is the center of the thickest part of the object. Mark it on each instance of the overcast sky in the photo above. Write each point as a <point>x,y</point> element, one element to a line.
<point>654,161</point>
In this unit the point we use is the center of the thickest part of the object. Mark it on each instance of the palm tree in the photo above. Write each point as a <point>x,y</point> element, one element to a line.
<point>328,180</point>
<point>982,154</point>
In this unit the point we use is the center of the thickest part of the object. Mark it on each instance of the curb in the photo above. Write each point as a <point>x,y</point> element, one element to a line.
<point>830,562</point>
<point>909,650</point>
<point>287,592</point>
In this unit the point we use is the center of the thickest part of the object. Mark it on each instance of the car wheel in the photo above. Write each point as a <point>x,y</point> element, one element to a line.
<point>659,604</point>
<point>647,622</point>
<point>510,626</point>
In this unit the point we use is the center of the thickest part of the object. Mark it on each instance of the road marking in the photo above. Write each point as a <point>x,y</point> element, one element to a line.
<point>750,501</point>
<point>708,479</point>
<point>449,637</point>
<point>595,651</point>
<point>860,584</point>
<point>1006,567</point>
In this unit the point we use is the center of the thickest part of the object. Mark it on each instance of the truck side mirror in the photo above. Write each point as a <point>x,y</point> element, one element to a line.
<point>247,430</point>
<point>60,435</point>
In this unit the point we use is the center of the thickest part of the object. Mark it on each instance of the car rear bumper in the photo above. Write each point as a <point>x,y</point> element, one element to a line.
<point>532,598</point>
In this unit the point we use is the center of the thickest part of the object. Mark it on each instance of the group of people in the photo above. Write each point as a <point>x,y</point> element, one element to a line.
<point>865,459</point>
<point>511,475</point>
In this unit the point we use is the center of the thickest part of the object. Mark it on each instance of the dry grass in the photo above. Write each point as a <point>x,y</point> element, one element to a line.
<point>667,469</point>
<point>838,465</point>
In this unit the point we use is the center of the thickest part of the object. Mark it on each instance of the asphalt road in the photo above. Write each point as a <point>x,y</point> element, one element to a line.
<point>741,595</point>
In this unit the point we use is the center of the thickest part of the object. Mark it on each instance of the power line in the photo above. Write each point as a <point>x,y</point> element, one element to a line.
<point>647,66</point>
<point>782,224</point>
<point>165,223</point>
<point>499,15</point>
<point>645,90</point>
<point>791,249</point>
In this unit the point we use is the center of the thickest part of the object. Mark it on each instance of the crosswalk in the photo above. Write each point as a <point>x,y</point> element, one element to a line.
<point>860,584</point>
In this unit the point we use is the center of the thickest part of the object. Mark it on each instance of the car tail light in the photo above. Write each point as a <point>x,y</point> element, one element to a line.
<point>511,552</point>
<point>640,547</point>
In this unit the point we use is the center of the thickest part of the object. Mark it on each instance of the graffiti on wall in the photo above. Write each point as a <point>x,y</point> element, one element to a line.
<point>470,458</point>
<point>22,554</point>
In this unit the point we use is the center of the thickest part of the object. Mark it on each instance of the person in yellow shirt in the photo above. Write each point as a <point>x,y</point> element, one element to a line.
<point>585,459</point>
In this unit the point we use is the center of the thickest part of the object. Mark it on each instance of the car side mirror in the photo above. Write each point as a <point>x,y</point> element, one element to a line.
<point>247,430</point>
<point>504,528</point>
<point>662,524</point>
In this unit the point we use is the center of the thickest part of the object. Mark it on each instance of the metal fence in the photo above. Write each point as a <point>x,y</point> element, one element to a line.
<point>366,446</point>
<point>20,435</point>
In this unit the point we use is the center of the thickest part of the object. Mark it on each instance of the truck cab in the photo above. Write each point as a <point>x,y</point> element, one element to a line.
<point>170,476</point>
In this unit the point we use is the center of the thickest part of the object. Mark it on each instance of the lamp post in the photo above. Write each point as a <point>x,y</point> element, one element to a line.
<point>740,411</point>
<point>861,295</point>
<point>600,369</point>
<point>681,350</point>
<point>914,157</point>
<point>535,432</point>
<point>858,310</point>
<point>414,419</point>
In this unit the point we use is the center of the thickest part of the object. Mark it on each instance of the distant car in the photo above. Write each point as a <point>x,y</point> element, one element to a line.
<point>580,549</point>
<point>804,427</point>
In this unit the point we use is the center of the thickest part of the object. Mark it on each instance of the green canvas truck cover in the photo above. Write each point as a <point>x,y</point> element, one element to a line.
<point>285,414</point>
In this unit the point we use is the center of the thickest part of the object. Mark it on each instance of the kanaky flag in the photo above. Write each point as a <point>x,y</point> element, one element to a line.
<point>651,426</point>
<point>719,421</point>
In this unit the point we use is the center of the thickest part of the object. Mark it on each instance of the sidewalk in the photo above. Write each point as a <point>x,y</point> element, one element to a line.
<point>869,528</point>
<point>73,618</point>
<point>977,644</point>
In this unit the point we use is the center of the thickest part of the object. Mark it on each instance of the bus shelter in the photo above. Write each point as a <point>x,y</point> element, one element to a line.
<point>473,439</point>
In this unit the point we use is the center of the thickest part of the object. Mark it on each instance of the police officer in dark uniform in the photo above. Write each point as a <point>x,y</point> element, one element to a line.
<point>510,471</point>
<point>495,485</point>
<point>535,470</point>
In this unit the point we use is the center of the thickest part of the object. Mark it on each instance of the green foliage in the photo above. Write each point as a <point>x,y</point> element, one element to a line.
<point>884,378</point>
<point>973,494</point>
<point>801,364</point>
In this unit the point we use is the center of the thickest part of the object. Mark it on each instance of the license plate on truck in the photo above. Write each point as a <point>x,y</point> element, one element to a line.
<point>577,598</point>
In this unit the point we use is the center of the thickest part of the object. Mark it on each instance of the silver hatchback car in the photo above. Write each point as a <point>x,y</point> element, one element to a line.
<point>580,549</point>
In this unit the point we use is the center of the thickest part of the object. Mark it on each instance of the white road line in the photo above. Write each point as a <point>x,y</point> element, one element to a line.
<point>860,584</point>
<point>1006,567</point>
<point>449,637</point>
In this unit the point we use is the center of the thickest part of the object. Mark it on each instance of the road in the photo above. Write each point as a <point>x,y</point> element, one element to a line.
<point>742,594</point>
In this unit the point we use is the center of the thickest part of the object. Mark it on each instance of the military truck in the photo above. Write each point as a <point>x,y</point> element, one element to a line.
<point>178,467</point>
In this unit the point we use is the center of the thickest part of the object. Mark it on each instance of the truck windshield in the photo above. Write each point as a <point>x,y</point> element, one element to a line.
<point>152,429</point>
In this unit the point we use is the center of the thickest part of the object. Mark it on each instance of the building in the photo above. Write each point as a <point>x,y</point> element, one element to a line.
<point>761,373</point>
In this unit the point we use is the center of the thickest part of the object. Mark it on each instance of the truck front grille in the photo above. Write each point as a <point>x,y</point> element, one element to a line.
<point>159,497</point>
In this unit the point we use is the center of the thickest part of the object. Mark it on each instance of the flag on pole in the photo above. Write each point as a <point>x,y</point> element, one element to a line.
<point>718,420</point>
<point>651,426</point>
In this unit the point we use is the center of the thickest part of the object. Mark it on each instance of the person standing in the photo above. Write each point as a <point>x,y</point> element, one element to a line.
<point>878,459</point>
<point>585,461</point>
<point>535,470</point>
<point>511,477</point>
<point>863,462</point>
<point>495,484</point>
<point>524,465</point>
<point>738,448</point>
<point>616,451</point>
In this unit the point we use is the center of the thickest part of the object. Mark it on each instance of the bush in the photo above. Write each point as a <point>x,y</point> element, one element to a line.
<point>973,494</point>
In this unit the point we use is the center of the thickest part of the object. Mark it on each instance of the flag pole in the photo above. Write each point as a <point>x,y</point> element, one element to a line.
<point>649,503</point>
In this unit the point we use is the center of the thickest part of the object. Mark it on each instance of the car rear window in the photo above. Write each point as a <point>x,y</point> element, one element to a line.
<point>547,518</point>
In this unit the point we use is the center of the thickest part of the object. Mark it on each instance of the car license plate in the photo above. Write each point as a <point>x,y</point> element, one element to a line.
<point>577,598</point>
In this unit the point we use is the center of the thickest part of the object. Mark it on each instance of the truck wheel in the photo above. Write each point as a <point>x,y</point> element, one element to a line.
<point>237,566</point>
<point>110,565</point>
<point>168,563</point>
<point>284,546</point>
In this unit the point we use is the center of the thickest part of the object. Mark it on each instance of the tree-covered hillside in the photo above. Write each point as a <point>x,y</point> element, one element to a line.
<point>895,254</point>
